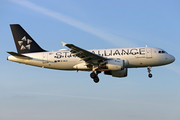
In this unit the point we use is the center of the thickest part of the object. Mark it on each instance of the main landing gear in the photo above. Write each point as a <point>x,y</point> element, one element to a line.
<point>94,76</point>
<point>149,71</point>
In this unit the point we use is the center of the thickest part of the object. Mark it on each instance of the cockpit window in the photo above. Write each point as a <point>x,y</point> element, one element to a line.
<point>162,52</point>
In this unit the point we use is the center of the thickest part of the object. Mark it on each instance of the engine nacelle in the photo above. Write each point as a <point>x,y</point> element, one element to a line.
<point>117,73</point>
<point>115,64</point>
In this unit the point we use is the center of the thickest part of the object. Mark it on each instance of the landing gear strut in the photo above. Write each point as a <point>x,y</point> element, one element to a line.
<point>94,76</point>
<point>149,71</point>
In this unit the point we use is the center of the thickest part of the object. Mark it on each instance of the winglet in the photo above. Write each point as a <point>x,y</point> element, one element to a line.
<point>64,44</point>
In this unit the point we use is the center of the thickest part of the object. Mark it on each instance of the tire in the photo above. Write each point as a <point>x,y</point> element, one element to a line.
<point>92,75</point>
<point>96,79</point>
<point>150,75</point>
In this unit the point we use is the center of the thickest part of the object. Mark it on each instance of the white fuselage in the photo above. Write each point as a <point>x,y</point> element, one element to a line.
<point>64,60</point>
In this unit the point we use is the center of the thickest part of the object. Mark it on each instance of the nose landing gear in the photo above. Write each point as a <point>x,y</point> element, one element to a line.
<point>94,76</point>
<point>149,71</point>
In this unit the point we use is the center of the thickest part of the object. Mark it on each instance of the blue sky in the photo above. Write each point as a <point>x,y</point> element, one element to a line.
<point>28,92</point>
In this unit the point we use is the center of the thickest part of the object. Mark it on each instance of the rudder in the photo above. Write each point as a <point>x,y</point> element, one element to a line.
<point>24,42</point>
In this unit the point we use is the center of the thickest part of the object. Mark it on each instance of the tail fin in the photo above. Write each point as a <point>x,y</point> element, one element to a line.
<point>24,42</point>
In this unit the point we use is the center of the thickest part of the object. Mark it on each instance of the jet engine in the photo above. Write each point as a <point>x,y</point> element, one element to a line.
<point>117,73</point>
<point>115,64</point>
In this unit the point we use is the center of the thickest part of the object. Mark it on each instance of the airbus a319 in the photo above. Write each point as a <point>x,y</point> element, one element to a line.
<point>113,62</point>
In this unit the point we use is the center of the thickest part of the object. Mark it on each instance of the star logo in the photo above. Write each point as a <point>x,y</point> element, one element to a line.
<point>25,43</point>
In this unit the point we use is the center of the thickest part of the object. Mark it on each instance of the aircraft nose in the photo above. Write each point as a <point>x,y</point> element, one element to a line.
<point>171,58</point>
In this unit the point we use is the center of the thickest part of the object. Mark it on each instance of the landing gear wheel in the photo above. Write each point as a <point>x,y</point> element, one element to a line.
<point>93,75</point>
<point>149,71</point>
<point>150,75</point>
<point>96,79</point>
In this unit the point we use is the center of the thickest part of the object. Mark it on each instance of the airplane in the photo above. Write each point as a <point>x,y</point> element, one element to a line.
<point>115,61</point>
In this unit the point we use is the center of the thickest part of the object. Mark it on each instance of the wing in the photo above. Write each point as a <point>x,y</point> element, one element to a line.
<point>87,56</point>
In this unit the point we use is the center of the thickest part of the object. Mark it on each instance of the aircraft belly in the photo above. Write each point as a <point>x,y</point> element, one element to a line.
<point>63,66</point>
<point>50,65</point>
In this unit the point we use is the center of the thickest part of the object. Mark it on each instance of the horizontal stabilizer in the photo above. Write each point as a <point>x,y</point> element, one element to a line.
<point>19,55</point>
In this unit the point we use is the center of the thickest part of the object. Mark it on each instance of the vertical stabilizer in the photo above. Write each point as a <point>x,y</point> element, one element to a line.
<point>24,42</point>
